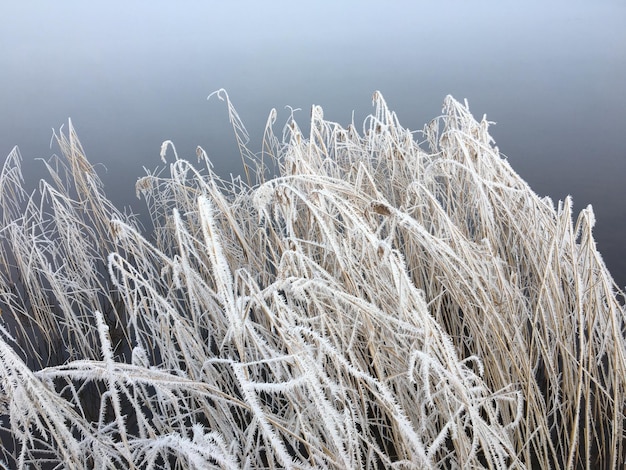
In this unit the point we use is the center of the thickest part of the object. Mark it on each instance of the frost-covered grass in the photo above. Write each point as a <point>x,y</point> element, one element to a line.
<point>389,299</point>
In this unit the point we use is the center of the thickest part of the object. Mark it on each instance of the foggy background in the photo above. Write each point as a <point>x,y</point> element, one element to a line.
<point>131,74</point>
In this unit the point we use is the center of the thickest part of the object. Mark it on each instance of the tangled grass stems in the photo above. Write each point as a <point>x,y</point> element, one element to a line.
<point>379,302</point>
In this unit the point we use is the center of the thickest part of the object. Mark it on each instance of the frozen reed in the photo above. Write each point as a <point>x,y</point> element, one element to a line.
<point>381,302</point>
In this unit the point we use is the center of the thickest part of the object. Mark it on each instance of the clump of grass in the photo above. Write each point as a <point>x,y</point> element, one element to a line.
<point>379,302</point>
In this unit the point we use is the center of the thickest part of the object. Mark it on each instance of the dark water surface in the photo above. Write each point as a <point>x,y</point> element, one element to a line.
<point>133,74</point>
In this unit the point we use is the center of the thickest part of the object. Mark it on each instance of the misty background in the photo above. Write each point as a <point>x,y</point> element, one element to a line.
<point>130,75</point>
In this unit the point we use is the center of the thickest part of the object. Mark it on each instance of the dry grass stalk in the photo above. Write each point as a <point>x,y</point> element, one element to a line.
<point>375,304</point>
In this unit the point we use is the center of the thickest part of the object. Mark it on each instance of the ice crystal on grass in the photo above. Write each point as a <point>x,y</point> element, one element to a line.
<point>375,303</point>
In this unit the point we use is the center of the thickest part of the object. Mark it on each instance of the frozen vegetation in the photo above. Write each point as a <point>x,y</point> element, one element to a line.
<point>369,298</point>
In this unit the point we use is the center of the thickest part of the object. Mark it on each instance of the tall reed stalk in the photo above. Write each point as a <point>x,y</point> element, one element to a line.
<point>381,302</point>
